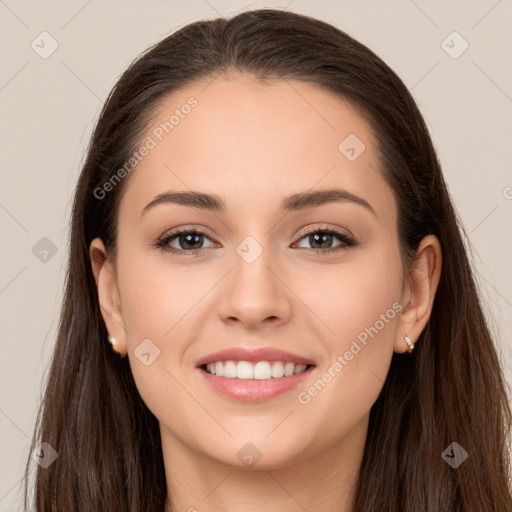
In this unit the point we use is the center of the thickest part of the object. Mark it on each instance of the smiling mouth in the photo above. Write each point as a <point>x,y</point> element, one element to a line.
<point>261,370</point>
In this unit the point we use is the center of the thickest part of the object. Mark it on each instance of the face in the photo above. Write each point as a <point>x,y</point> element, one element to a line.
<point>319,279</point>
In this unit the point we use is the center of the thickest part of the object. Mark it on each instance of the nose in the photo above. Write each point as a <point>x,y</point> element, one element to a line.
<point>255,294</point>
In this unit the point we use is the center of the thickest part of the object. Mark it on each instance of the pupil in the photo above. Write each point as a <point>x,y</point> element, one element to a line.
<point>325,236</point>
<point>189,239</point>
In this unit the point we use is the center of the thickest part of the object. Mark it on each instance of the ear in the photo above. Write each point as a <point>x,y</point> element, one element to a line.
<point>420,286</point>
<point>108,294</point>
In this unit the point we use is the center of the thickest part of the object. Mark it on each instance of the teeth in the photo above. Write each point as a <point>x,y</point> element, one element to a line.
<point>300,368</point>
<point>262,370</point>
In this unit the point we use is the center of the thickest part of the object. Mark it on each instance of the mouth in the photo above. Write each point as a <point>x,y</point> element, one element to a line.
<point>254,375</point>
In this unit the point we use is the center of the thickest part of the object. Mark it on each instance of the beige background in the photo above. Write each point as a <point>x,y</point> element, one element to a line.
<point>49,107</point>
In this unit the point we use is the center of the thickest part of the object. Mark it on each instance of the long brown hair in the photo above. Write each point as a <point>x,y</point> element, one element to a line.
<point>450,389</point>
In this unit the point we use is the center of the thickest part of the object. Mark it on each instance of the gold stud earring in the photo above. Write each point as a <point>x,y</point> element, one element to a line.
<point>409,343</point>
<point>113,342</point>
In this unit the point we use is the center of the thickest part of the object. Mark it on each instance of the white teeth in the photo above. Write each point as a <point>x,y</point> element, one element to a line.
<point>229,369</point>
<point>262,370</point>
<point>288,369</point>
<point>278,369</point>
<point>244,370</point>
<point>300,368</point>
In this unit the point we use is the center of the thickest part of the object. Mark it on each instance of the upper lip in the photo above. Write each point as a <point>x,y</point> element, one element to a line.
<point>253,355</point>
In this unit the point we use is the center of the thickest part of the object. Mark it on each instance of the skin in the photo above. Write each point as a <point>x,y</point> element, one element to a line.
<point>254,144</point>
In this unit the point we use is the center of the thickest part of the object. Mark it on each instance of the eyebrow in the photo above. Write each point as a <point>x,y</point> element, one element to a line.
<point>292,203</point>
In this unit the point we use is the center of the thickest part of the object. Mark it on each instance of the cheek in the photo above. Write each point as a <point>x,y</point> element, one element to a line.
<point>359,306</point>
<point>158,304</point>
<point>157,297</point>
<point>366,299</point>
<point>353,296</point>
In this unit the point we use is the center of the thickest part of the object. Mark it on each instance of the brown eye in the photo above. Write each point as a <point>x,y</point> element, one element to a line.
<point>321,240</point>
<point>185,241</point>
<point>190,241</point>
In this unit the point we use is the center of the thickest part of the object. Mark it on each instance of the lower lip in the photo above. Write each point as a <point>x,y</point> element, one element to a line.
<point>254,390</point>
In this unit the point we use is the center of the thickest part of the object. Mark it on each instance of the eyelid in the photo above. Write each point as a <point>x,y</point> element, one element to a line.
<point>324,227</point>
<point>189,228</point>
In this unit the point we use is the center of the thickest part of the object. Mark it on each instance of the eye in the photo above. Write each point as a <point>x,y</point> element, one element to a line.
<point>189,241</point>
<point>324,238</point>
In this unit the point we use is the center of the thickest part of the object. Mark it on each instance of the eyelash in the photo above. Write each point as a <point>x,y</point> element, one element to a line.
<point>163,242</point>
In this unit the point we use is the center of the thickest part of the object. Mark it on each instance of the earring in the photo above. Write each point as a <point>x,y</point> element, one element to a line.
<point>113,342</point>
<point>409,343</point>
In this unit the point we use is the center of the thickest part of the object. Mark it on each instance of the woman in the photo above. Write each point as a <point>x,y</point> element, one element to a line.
<point>262,232</point>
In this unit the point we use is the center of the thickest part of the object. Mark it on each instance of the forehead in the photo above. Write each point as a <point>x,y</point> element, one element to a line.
<point>254,143</point>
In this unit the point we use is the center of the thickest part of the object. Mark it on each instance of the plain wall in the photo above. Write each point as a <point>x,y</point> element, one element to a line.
<point>49,107</point>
